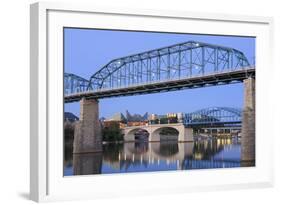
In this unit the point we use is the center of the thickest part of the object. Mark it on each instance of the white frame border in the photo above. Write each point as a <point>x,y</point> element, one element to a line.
<point>39,174</point>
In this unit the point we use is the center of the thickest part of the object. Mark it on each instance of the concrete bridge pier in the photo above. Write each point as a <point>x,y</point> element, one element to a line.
<point>87,133</point>
<point>186,135</point>
<point>248,124</point>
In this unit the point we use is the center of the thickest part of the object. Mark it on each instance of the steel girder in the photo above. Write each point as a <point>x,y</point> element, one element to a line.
<point>179,61</point>
<point>222,78</point>
<point>214,115</point>
<point>74,83</point>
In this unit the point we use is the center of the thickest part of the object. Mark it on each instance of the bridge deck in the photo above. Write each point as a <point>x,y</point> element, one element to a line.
<point>221,124</point>
<point>226,77</point>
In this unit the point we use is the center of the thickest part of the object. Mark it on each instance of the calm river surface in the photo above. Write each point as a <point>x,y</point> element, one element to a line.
<point>155,156</point>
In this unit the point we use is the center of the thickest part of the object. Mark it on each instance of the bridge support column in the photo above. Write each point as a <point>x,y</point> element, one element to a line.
<point>87,134</point>
<point>186,135</point>
<point>248,124</point>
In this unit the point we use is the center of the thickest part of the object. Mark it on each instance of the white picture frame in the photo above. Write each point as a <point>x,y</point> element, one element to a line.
<point>46,177</point>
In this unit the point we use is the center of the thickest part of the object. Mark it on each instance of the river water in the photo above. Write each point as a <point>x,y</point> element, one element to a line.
<point>155,156</point>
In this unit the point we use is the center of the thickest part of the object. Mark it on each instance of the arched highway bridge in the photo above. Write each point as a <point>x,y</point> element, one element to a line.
<point>212,117</point>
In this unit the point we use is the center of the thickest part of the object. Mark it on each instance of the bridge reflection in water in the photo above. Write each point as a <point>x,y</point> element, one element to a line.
<point>156,156</point>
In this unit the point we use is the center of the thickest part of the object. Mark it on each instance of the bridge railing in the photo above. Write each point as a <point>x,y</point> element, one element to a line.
<point>74,87</point>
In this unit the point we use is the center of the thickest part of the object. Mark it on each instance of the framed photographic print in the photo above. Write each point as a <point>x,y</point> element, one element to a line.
<point>151,101</point>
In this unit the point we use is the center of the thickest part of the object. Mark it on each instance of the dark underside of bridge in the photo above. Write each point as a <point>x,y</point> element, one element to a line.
<point>165,86</point>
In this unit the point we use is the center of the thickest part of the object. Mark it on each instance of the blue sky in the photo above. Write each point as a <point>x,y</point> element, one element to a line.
<point>87,50</point>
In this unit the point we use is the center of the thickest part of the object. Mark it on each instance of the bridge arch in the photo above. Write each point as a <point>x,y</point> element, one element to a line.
<point>172,134</point>
<point>182,133</point>
<point>214,115</point>
<point>131,134</point>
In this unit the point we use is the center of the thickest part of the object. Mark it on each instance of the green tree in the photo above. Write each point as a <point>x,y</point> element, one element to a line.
<point>112,133</point>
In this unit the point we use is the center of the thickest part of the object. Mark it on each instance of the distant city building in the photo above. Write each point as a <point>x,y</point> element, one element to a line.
<point>166,119</point>
<point>171,115</point>
<point>112,123</point>
<point>102,119</point>
<point>117,119</point>
<point>136,117</point>
<point>142,120</point>
<point>180,117</point>
<point>70,117</point>
<point>152,117</point>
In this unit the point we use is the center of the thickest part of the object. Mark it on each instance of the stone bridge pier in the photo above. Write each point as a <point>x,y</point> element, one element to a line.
<point>87,133</point>
<point>248,123</point>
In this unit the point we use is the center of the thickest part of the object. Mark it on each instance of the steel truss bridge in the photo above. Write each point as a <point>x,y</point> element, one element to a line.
<point>181,66</point>
<point>214,117</point>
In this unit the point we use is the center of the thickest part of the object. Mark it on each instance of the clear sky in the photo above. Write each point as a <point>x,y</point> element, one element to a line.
<point>87,50</point>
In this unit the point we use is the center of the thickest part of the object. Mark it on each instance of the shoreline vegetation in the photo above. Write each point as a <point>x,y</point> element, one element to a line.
<point>110,134</point>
